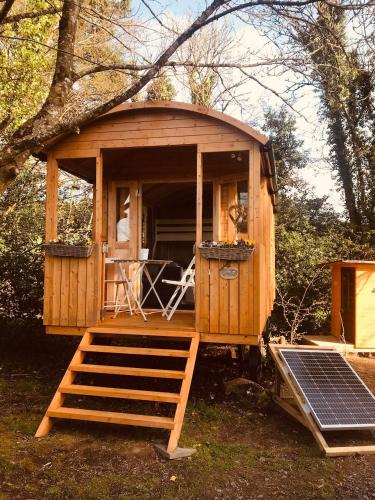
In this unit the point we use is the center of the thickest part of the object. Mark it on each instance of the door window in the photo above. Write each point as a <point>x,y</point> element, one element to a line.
<point>123,214</point>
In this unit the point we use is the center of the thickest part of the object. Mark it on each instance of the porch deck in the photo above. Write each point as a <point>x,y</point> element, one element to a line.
<point>181,320</point>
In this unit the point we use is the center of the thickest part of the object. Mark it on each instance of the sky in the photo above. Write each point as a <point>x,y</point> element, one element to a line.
<point>311,127</point>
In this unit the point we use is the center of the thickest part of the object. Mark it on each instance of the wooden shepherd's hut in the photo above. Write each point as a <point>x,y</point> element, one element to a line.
<point>166,176</point>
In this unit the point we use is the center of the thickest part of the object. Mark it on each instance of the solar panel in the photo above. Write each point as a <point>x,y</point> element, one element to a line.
<point>337,397</point>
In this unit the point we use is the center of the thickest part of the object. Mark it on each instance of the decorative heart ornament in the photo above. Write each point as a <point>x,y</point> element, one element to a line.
<point>237,214</point>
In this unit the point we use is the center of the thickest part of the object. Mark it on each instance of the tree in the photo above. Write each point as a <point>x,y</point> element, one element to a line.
<point>21,233</point>
<point>308,233</point>
<point>341,68</point>
<point>92,40</point>
<point>288,148</point>
<point>22,219</point>
<point>161,89</point>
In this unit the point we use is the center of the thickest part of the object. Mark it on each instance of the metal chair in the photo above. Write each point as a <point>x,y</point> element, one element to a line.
<point>187,281</point>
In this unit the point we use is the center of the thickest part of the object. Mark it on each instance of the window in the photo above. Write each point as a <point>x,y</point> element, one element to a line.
<point>123,214</point>
<point>243,207</point>
<point>75,210</point>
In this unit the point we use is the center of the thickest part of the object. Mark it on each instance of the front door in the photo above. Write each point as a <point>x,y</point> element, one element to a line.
<point>348,303</point>
<point>123,225</point>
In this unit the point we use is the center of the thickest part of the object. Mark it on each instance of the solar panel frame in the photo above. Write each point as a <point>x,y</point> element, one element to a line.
<point>335,410</point>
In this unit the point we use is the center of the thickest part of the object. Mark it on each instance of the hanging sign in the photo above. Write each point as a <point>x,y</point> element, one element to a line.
<point>229,273</point>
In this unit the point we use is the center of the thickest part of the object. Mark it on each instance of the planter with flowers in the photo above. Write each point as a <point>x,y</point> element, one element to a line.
<point>227,250</point>
<point>70,245</point>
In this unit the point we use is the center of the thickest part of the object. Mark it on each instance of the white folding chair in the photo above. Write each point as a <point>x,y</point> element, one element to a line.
<point>187,281</point>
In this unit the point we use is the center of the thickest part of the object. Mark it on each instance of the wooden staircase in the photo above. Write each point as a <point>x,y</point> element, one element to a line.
<point>57,410</point>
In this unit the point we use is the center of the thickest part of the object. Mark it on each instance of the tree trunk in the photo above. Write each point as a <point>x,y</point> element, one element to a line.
<point>342,157</point>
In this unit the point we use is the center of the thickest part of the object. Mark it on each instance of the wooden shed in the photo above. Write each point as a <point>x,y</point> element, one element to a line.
<point>178,170</point>
<point>353,302</point>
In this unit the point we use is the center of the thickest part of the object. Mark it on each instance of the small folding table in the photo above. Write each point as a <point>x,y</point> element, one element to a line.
<point>129,282</point>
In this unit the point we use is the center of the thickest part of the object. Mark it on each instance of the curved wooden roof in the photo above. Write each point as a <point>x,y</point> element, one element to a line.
<point>194,108</point>
<point>167,106</point>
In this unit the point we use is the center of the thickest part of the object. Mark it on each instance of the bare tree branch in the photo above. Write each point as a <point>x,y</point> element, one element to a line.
<point>57,116</point>
<point>8,4</point>
<point>16,18</point>
<point>269,89</point>
<point>184,64</point>
<point>283,3</point>
<point>156,17</point>
<point>24,141</point>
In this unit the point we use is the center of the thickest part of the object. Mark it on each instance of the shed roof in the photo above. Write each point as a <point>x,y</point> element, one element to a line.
<point>348,262</point>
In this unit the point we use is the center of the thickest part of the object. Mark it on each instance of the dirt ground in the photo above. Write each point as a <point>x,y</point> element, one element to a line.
<point>246,448</point>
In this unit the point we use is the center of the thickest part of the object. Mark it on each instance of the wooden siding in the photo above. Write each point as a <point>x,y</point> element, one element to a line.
<point>365,307</point>
<point>266,254</point>
<point>145,128</point>
<point>73,299</point>
<point>74,287</point>
<point>224,303</point>
<point>243,305</point>
<point>364,303</point>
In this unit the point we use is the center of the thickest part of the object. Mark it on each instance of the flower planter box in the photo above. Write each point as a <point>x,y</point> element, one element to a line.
<point>226,253</point>
<point>60,250</point>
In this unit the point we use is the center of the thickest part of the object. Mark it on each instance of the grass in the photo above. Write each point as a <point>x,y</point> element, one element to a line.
<point>244,449</point>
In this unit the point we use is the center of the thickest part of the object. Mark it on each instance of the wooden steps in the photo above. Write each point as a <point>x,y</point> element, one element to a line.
<point>111,392</point>
<point>67,387</point>
<point>112,417</point>
<point>127,370</point>
<point>175,334</point>
<point>140,351</point>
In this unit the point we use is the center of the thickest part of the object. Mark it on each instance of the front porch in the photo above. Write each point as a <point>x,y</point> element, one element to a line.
<point>182,320</point>
<point>169,216</point>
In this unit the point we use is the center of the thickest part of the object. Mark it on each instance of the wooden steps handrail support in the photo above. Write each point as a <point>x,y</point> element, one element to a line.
<point>68,378</point>
<point>184,395</point>
<point>303,415</point>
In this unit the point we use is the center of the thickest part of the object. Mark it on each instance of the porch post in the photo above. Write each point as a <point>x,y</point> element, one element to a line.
<point>254,233</point>
<point>50,234</point>
<point>198,238</point>
<point>51,198</point>
<point>98,199</point>
<point>199,215</point>
<point>98,236</point>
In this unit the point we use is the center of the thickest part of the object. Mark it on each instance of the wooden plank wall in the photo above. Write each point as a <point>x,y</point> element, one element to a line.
<point>224,305</point>
<point>267,254</point>
<point>50,229</point>
<point>238,306</point>
<point>73,299</point>
<point>150,128</point>
<point>242,305</point>
<point>365,307</point>
<point>72,291</point>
